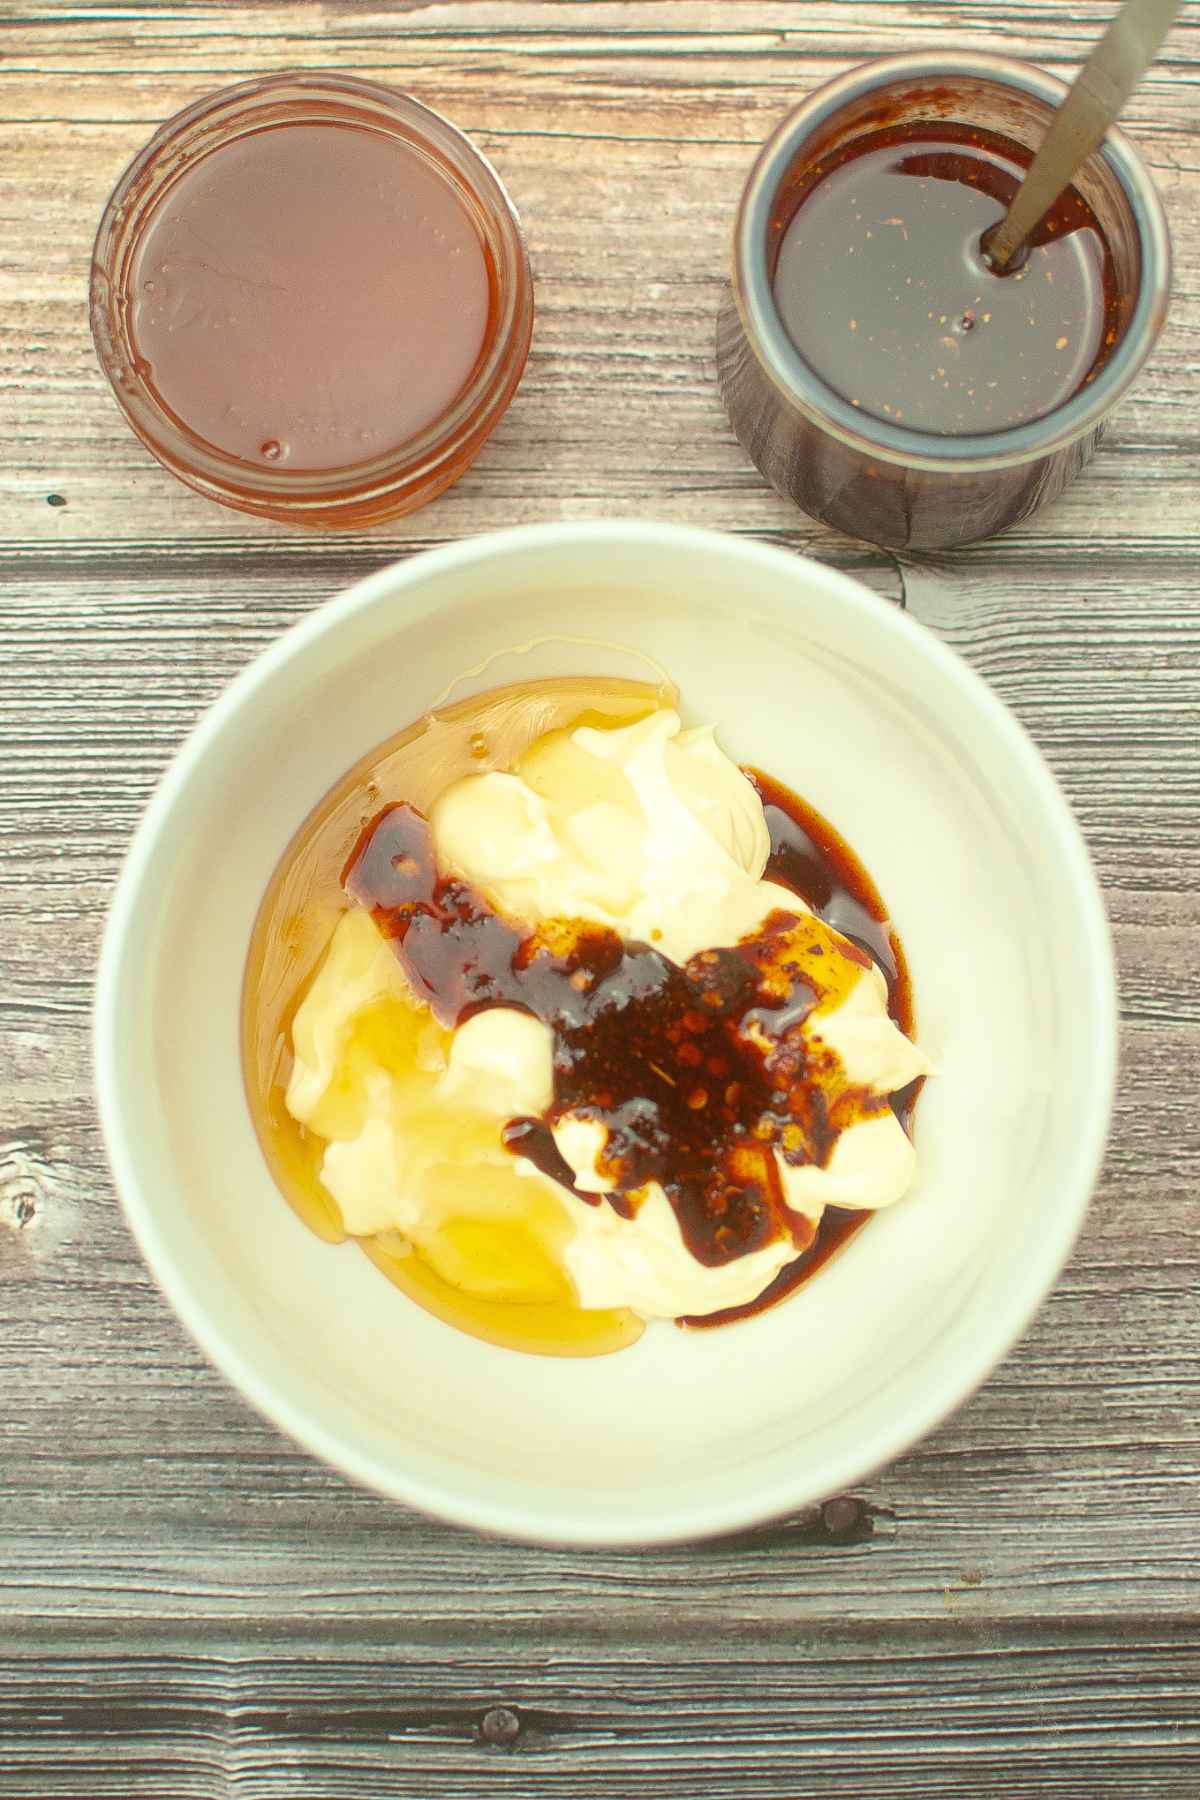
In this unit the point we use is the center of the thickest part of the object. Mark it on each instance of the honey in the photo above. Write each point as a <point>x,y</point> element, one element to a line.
<point>313,300</point>
<point>502,1243</point>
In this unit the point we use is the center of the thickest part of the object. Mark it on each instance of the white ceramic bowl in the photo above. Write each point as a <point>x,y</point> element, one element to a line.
<point>889,734</point>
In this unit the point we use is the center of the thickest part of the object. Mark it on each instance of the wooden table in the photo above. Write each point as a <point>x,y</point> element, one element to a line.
<point>192,1608</point>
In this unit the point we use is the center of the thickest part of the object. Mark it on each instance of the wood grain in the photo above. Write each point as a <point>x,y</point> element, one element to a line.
<point>935,1716</point>
<point>191,1609</point>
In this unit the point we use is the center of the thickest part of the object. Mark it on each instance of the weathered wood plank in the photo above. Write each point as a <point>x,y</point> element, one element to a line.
<point>947,1712</point>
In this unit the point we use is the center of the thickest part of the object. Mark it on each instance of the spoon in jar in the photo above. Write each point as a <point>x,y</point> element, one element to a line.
<point>1095,102</point>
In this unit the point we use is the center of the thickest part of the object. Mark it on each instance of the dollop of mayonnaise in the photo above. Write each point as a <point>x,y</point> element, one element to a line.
<point>649,829</point>
<point>652,831</point>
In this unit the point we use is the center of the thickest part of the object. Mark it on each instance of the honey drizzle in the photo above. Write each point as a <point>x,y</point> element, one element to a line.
<point>299,911</point>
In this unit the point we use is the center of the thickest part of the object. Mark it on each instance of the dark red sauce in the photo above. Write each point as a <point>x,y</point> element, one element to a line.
<point>534,1140</point>
<point>654,1052</point>
<point>883,285</point>
<point>808,856</point>
<point>657,1054</point>
<point>811,858</point>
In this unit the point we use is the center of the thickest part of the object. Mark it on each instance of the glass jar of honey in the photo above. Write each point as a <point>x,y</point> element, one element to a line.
<point>313,299</point>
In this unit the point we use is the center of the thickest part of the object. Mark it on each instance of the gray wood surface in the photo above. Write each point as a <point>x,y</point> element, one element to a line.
<point>191,1609</point>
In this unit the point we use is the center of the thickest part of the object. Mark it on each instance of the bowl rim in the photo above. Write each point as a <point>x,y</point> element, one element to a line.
<point>799,1485</point>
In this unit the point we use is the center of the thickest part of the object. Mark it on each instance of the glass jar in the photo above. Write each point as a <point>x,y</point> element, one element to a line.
<point>353,494</point>
<point>885,482</point>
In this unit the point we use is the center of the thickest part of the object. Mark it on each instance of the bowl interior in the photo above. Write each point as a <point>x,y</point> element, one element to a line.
<point>886,732</point>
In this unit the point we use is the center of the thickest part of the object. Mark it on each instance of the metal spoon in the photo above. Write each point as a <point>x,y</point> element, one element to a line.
<point>1094,103</point>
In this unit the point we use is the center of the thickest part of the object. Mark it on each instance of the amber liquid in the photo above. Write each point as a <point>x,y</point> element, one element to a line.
<point>297,917</point>
<point>311,296</point>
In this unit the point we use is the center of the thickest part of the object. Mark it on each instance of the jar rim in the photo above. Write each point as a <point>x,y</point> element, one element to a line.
<point>408,473</point>
<point>807,391</point>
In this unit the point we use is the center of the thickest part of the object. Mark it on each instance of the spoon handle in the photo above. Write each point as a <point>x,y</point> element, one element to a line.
<point>1097,96</point>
